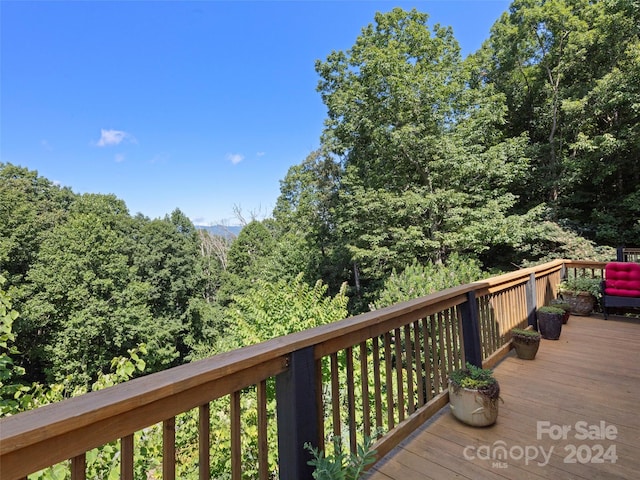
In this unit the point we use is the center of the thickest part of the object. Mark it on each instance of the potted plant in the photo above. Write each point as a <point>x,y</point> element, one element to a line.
<point>526,343</point>
<point>550,322</point>
<point>560,303</point>
<point>473,396</point>
<point>580,293</point>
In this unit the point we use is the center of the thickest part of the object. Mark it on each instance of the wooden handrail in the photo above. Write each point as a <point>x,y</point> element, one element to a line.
<point>39,438</point>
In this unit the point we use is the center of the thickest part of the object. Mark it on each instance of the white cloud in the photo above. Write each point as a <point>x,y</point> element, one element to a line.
<point>235,158</point>
<point>113,137</point>
<point>46,145</point>
<point>260,154</point>
<point>119,157</point>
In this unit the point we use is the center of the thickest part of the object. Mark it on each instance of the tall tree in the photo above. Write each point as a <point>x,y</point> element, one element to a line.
<point>248,259</point>
<point>30,206</point>
<point>420,180</point>
<point>82,306</point>
<point>305,226</point>
<point>569,69</point>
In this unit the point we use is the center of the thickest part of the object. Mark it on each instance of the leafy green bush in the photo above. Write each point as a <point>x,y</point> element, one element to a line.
<point>340,465</point>
<point>419,280</point>
<point>581,284</point>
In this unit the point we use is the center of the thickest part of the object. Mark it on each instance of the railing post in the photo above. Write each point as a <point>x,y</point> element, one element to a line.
<point>620,254</point>
<point>471,330</point>
<point>296,413</point>
<point>532,301</point>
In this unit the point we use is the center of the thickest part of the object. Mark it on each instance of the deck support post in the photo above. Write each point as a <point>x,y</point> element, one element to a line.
<point>471,330</point>
<point>296,413</point>
<point>532,301</point>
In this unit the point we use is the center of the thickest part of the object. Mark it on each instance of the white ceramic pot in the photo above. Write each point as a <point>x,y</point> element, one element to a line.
<point>472,407</point>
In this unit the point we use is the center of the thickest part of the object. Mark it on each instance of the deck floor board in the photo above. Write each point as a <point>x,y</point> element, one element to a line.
<point>590,375</point>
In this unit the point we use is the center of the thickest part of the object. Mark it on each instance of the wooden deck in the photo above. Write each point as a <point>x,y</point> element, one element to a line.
<point>590,375</point>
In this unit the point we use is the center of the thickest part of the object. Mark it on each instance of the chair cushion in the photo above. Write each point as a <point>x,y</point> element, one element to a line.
<point>622,279</point>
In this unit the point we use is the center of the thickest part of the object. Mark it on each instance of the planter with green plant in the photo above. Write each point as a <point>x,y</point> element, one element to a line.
<point>560,303</point>
<point>525,342</point>
<point>473,396</point>
<point>580,293</point>
<point>550,322</point>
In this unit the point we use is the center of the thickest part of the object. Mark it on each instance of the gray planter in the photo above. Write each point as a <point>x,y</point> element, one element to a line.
<point>549,325</point>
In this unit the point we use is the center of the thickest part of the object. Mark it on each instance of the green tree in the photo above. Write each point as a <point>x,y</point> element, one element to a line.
<point>247,260</point>
<point>304,222</point>
<point>271,310</point>
<point>166,258</point>
<point>427,171</point>
<point>30,206</point>
<point>83,306</point>
<point>569,70</point>
<point>419,280</point>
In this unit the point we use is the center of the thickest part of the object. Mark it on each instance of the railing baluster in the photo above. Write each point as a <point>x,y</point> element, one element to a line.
<point>126,460</point>
<point>335,395</point>
<point>399,374</point>
<point>517,311</point>
<point>364,375</point>
<point>435,353</point>
<point>486,314</point>
<point>351,400</point>
<point>461,339</point>
<point>204,441</point>
<point>427,359</point>
<point>409,359</point>
<point>169,449</point>
<point>377,387</point>
<point>389,380</point>
<point>494,331</point>
<point>442,349</point>
<point>236,445</point>
<point>418,362</point>
<point>447,335</point>
<point>79,467</point>
<point>532,301</point>
<point>263,447</point>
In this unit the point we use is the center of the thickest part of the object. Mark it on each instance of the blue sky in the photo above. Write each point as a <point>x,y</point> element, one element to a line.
<point>200,106</point>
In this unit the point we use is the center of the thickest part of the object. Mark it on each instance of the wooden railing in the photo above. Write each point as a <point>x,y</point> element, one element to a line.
<point>380,374</point>
<point>628,254</point>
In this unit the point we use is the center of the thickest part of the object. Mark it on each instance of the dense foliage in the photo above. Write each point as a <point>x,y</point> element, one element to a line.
<point>569,72</point>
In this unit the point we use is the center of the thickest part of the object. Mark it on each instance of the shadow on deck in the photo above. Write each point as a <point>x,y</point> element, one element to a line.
<point>586,380</point>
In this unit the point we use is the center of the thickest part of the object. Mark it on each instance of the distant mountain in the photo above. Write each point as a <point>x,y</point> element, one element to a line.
<point>229,231</point>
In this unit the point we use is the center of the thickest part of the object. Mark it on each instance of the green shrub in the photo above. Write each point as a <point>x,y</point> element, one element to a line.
<point>340,465</point>
<point>581,284</point>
